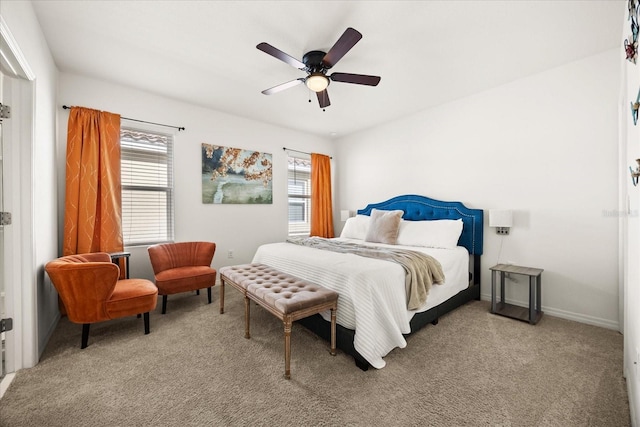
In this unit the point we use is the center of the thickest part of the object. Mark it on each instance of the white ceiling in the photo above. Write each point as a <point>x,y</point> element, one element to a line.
<point>427,53</point>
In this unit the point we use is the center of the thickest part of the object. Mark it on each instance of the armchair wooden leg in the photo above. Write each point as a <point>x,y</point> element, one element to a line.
<point>209,294</point>
<point>164,304</point>
<point>85,335</point>
<point>146,323</point>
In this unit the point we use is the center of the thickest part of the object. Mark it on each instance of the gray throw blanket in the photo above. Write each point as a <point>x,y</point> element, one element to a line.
<point>422,270</point>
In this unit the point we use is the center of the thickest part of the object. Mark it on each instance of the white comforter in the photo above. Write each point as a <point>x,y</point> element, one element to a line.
<point>372,292</point>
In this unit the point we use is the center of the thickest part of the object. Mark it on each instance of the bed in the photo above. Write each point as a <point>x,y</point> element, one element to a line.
<point>373,317</point>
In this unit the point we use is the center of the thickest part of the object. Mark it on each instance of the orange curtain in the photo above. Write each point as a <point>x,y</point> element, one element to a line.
<point>93,202</point>
<point>321,208</point>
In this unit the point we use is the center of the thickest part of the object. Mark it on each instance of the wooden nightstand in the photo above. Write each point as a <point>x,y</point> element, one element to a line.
<point>534,313</point>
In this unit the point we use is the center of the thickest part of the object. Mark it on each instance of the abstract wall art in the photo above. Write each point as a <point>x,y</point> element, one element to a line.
<point>236,176</point>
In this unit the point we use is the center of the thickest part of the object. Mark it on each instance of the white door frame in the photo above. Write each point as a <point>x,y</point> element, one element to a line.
<point>20,274</point>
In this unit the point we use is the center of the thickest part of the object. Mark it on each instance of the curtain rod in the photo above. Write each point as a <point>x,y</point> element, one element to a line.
<point>296,151</point>
<point>141,121</point>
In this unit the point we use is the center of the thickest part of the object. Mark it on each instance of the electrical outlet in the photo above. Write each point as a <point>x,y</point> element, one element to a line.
<point>230,254</point>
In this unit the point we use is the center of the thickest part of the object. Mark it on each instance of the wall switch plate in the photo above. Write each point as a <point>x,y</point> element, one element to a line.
<point>230,253</point>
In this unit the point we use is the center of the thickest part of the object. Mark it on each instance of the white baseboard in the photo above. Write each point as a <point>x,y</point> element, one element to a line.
<point>632,400</point>
<point>568,315</point>
<point>4,384</point>
<point>47,337</point>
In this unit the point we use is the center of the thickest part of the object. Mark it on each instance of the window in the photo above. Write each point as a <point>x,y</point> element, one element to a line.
<point>299,179</point>
<point>147,187</point>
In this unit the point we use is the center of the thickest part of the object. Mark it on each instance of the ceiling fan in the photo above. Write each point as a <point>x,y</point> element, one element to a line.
<point>316,63</point>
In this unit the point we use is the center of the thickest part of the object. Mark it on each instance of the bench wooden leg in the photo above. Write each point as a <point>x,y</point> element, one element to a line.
<point>287,348</point>
<point>247,310</point>
<point>333,331</point>
<point>221,296</point>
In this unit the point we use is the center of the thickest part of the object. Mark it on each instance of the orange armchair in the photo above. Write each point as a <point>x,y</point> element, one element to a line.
<point>182,267</point>
<point>91,292</point>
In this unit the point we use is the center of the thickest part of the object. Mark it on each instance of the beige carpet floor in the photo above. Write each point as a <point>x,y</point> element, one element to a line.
<point>196,369</point>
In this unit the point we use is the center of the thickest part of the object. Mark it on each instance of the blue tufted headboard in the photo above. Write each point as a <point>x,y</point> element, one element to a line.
<point>420,208</point>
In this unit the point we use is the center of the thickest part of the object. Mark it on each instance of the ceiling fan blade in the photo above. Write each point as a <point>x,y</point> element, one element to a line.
<point>323,99</point>
<point>277,53</point>
<point>282,86</point>
<point>359,79</point>
<point>348,39</point>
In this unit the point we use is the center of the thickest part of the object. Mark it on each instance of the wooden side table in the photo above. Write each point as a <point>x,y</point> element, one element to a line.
<point>115,258</point>
<point>531,315</point>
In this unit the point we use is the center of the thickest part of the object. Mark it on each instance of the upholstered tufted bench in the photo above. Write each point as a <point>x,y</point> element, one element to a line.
<point>285,296</point>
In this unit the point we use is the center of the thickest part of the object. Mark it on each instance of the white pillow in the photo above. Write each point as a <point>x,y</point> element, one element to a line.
<point>441,233</point>
<point>356,227</point>
<point>384,226</point>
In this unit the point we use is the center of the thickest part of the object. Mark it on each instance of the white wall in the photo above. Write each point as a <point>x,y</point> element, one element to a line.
<point>544,146</point>
<point>37,176</point>
<point>241,228</point>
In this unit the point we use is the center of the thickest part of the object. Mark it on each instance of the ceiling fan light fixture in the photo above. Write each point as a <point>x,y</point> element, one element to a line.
<point>317,82</point>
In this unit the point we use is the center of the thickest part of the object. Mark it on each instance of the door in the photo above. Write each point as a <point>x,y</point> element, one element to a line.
<point>19,346</point>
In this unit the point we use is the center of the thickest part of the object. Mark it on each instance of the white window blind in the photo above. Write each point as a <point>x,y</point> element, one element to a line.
<point>147,187</point>
<point>299,179</point>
